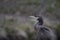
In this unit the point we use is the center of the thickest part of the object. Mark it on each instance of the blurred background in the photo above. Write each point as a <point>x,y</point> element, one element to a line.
<point>16,20</point>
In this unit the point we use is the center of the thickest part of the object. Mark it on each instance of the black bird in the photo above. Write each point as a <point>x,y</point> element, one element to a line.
<point>43,32</point>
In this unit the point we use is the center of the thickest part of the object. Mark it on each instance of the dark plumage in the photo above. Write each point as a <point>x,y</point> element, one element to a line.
<point>40,20</point>
<point>43,32</point>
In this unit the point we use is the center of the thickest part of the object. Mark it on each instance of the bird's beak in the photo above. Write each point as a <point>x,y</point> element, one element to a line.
<point>33,17</point>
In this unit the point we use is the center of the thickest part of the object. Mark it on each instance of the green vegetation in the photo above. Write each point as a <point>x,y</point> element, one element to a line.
<point>58,31</point>
<point>32,2</point>
<point>12,31</point>
<point>57,3</point>
<point>51,10</point>
<point>27,8</point>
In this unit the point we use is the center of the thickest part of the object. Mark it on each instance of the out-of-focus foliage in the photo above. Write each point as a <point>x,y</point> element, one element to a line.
<point>58,31</point>
<point>57,3</point>
<point>23,31</point>
<point>27,7</point>
<point>51,10</point>
<point>11,6</point>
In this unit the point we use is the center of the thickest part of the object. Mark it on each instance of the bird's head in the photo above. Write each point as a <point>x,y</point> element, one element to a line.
<point>40,20</point>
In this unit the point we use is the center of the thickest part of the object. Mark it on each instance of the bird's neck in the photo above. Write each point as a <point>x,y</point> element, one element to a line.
<point>40,23</point>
